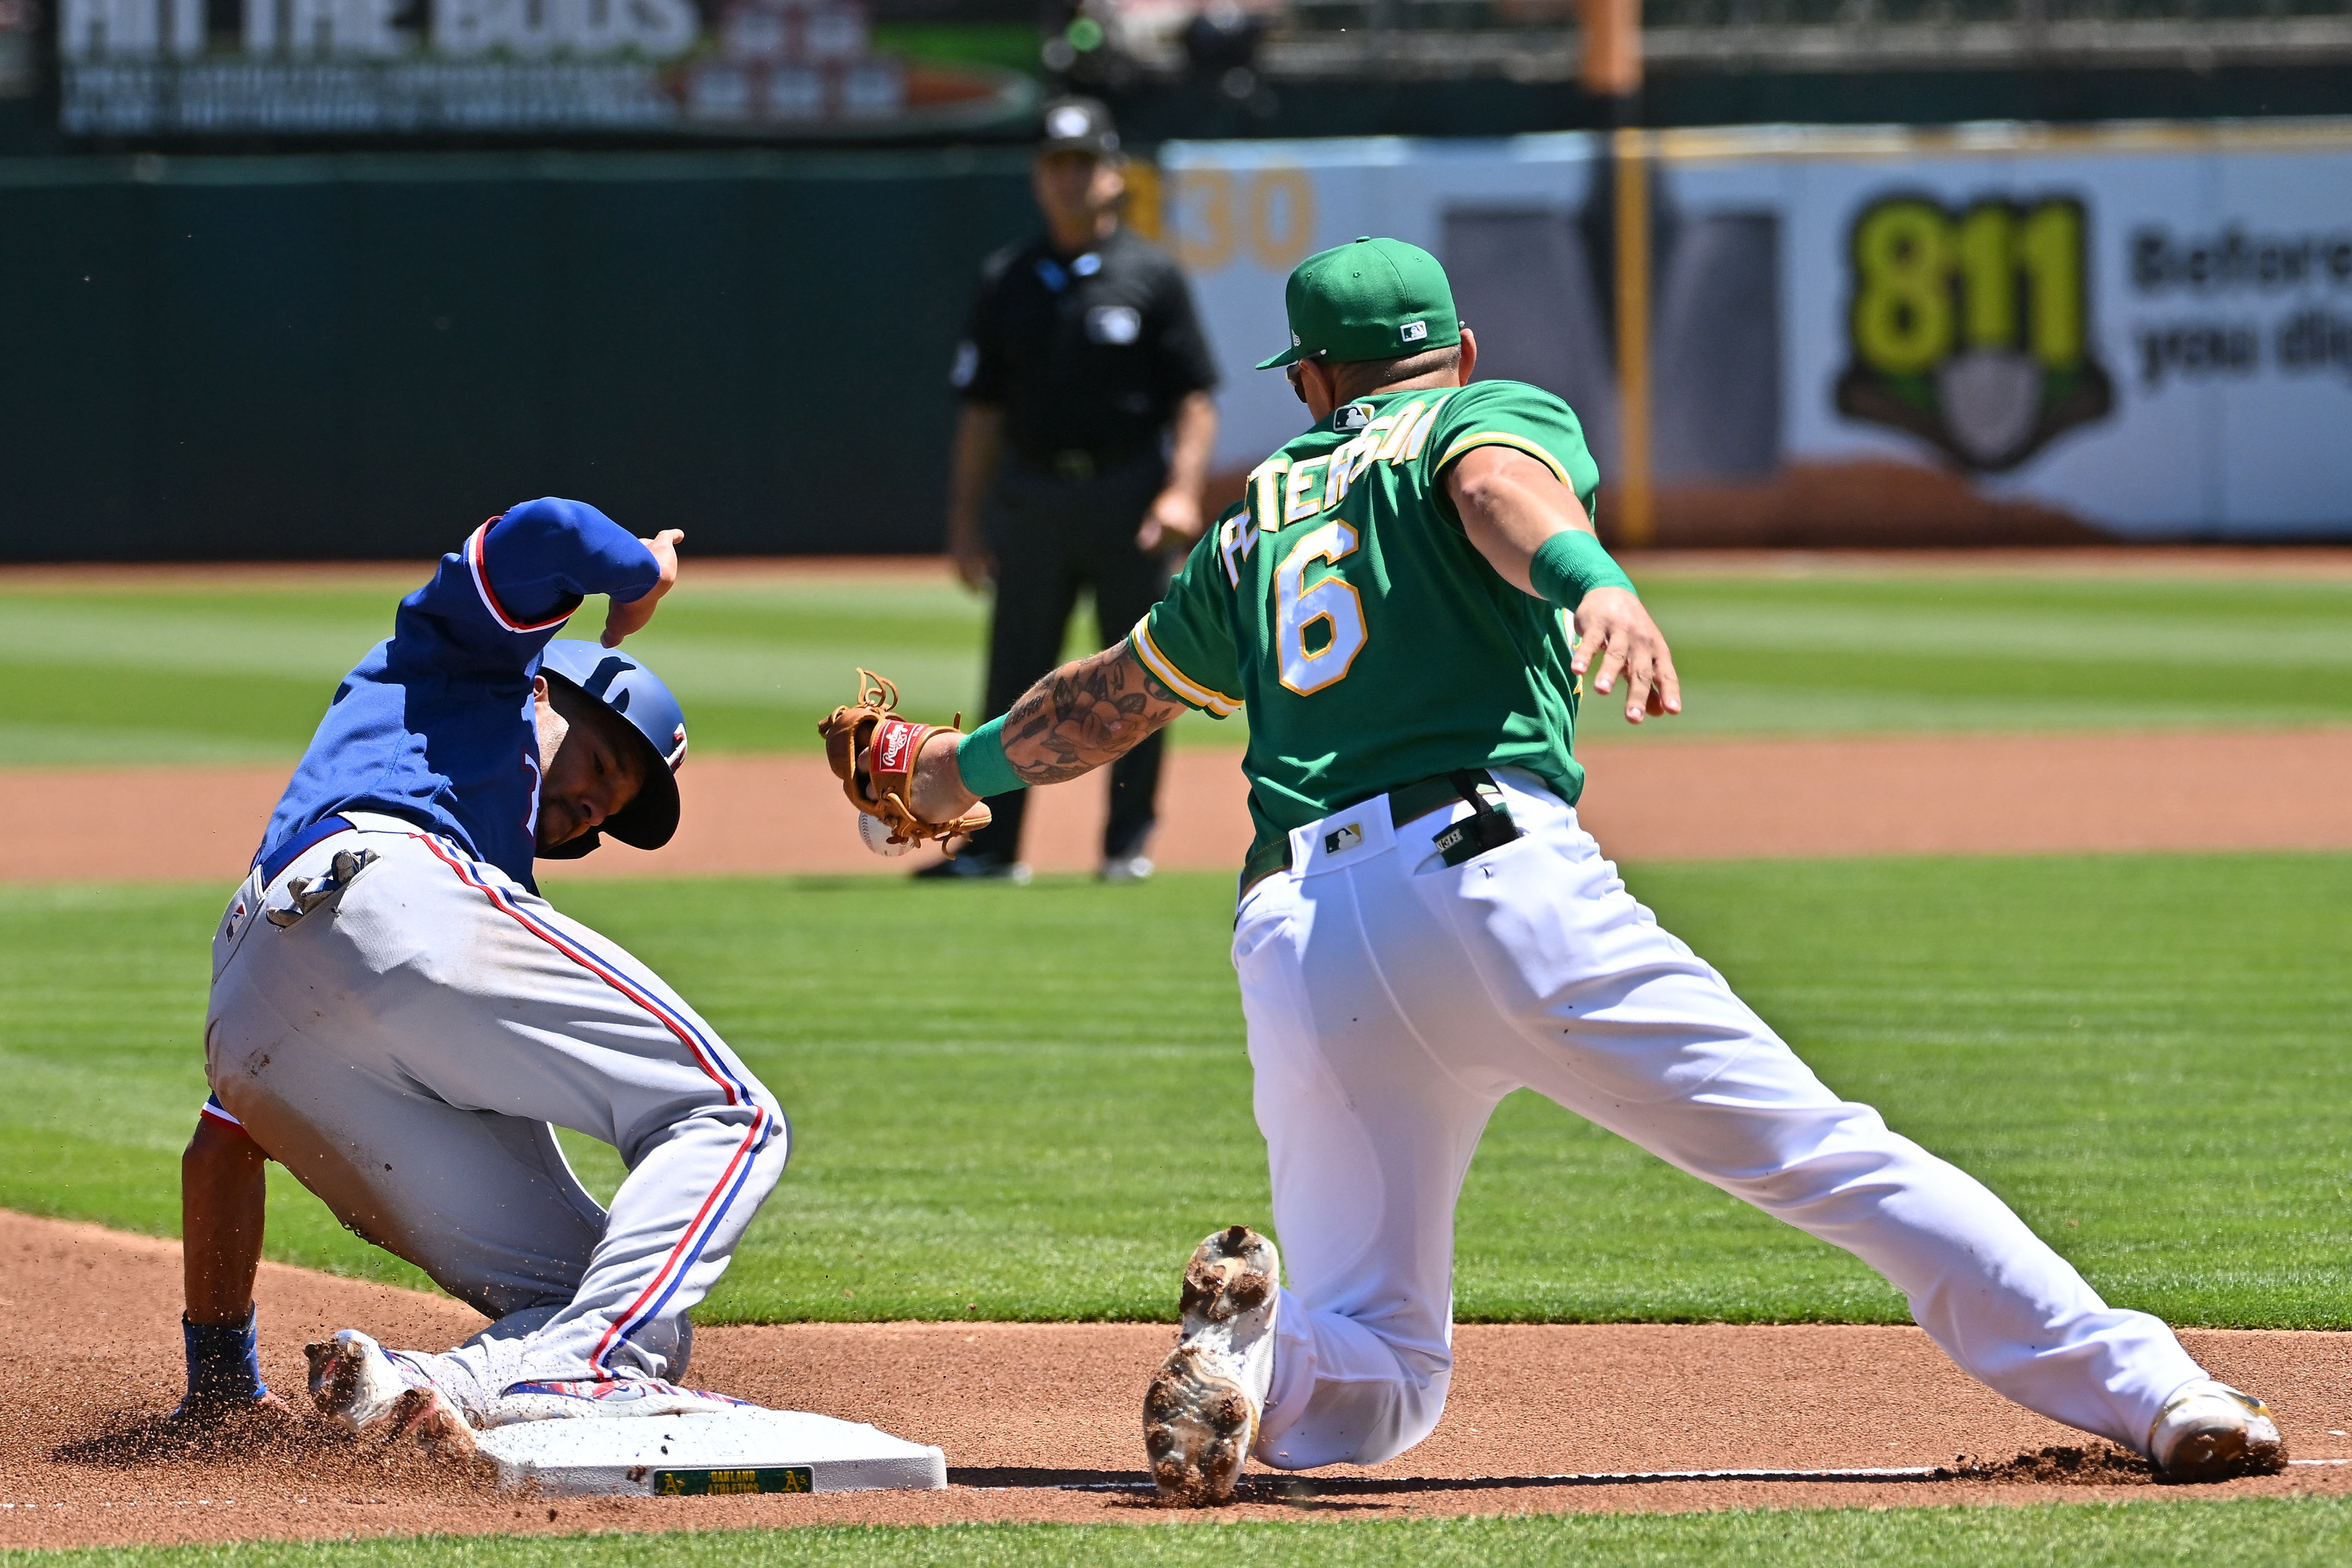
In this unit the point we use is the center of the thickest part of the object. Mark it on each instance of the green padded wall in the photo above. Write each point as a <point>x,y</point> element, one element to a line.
<point>363,355</point>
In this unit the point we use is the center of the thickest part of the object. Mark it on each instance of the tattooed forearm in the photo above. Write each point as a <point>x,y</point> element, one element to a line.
<point>1079,717</point>
<point>1084,714</point>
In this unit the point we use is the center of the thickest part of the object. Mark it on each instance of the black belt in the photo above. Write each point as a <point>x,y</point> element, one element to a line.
<point>284,856</point>
<point>1488,827</point>
<point>1078,465</point>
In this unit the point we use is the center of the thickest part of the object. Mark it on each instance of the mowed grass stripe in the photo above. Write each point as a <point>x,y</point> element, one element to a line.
<point>2302,1532</point>
<point>59,714</point>
<point>244,675</point>
<point>757,663</point>
<point>1026,1104</point>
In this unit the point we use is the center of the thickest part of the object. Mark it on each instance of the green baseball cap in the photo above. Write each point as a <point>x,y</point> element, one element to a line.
<point>1374,300</point>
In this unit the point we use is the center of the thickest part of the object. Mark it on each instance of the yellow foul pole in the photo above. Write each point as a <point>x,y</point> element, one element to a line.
<point>1610,65</point>
<point>1635,523</point>
<point>1610,68</point>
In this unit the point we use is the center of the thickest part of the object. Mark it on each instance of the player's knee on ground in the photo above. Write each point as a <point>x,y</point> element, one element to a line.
<point>1368,1400</point>
<point>1354,1423</point>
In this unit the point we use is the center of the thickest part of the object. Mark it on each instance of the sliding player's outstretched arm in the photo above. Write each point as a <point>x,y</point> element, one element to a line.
<point>1089,712</point>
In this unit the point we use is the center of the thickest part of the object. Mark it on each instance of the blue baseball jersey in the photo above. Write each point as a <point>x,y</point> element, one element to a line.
<point>435,724</point>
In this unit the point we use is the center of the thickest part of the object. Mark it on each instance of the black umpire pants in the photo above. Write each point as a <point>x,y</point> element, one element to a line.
<point>1053,537</point>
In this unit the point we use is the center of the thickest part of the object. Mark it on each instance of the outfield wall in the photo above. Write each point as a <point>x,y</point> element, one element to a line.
<point>1981,334</point>
<point>363,355</point>
<point>2142,331</point>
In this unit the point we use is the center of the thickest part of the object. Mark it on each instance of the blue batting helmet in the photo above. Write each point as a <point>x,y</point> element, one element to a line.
<point>622,684</point>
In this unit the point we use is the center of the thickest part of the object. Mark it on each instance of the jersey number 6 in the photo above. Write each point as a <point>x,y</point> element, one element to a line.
<point>1330,601</point>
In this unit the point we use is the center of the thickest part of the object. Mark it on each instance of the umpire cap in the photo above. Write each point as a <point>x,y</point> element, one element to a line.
<point>627,687</point>
<point>1078,125</point>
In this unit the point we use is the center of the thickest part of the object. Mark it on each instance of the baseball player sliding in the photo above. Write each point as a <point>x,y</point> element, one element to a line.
<point>1424,926</point>
<point>397,1016</point>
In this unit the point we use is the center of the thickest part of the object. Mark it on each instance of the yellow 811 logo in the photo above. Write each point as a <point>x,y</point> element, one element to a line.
<point>1970,328</point>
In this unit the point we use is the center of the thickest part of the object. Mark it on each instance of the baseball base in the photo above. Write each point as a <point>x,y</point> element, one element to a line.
<point>739,1450</point>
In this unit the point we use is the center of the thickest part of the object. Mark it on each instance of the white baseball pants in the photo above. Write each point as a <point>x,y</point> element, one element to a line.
<point>403,1050</point>
<point>1393,1001</point>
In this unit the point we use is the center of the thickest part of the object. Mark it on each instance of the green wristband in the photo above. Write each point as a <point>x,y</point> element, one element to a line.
<point>1572,564</point>
<point>982,761</point>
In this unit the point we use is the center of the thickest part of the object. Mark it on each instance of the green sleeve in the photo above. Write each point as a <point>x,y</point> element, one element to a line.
<point>1515,414</point>
<point>1186,641</point>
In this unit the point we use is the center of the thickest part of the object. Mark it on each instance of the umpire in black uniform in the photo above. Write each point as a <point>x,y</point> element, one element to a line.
<point>1080,452</point>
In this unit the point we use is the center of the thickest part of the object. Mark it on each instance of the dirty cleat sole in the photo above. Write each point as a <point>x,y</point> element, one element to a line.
<point>1197,1430</point>
<point>1202,1408</point>
<point>364,1388</point>
<point>2213,1432</point>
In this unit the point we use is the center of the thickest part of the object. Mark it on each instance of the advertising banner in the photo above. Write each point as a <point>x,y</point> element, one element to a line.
<point>1986,334</point>
<point>390,67</point>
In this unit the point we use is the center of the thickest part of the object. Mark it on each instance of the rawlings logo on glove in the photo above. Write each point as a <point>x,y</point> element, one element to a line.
<point>873,752</point>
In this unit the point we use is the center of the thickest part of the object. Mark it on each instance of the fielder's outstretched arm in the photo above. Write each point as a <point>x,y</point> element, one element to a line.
<point>1089,712</point>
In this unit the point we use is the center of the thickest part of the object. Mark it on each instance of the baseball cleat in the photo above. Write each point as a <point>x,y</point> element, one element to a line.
<point>2211,1432</point>
<point>1202,1409</point>
<point>382,1394</point>
<point>604,1396</point>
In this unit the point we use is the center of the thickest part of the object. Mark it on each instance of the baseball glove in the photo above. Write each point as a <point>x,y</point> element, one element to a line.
<point>873,752</point>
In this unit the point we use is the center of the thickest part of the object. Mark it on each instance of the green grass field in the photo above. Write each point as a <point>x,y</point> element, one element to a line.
<point>2311,1533</point>
<point>168,672</point>
<point>2143,1054</point>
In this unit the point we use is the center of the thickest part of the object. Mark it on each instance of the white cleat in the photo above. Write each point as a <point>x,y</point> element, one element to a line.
<point>604,1397</point>
<point>1126,869</point>
<point>381,1394</point>
<point>1201,1410</point>
<point>2211,1432</point>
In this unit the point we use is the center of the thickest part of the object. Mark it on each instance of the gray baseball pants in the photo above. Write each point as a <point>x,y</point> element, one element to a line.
<point>406,1048</point>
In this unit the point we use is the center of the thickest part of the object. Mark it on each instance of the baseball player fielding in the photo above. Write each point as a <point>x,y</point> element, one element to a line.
<point>1407,604</point>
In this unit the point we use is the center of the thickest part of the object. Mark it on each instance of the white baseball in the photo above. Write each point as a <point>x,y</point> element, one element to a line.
<point>877,835</point>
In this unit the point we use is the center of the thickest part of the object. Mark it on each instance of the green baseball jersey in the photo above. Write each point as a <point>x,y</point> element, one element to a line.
<point>1344,606</point>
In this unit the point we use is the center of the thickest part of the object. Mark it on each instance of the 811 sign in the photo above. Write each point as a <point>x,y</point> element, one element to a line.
<point>1970,327</point>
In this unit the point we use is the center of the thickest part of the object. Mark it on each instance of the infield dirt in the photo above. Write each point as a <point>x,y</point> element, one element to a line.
<point>1029,1413</point>
<point>1679,799</point>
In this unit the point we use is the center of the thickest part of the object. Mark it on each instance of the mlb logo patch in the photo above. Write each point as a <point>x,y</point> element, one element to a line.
<point>1341,840</point>
<point>1115,324</point>
<point>1413,331</point>
<point>1354,416</point>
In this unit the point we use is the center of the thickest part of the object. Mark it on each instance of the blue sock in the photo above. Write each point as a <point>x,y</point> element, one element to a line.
<point>224,1361</point>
